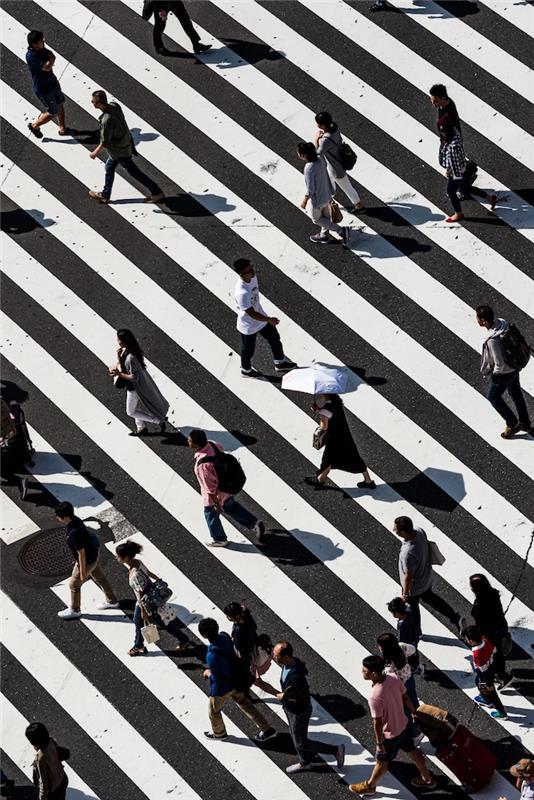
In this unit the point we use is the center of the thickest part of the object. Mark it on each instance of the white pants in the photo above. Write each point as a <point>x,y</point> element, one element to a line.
<point>132,403</point>
<point>319,216</point>
<point>344,184</point>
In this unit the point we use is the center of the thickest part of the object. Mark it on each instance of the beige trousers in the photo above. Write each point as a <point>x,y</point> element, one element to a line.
<point>242,699</point>
<point>94,572</point>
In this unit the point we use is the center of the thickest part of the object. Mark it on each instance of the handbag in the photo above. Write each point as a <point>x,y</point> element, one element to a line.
<point>157,593</point>
<point>436,556</point>
<point>334,212</point>
<point>150,633</point>
<point>63,753</point>
<point>319,438</point>
<point>119,383</point>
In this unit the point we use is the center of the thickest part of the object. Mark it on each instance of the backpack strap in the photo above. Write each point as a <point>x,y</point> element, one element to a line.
<point>210,459</point>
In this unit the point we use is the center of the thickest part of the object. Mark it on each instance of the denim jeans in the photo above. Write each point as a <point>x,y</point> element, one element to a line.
<point>453,184</point>
<point>131,167</point>
<point>234,510</point>
<point>173,627</point>
<point>508,381</point>
<point>248,345</point>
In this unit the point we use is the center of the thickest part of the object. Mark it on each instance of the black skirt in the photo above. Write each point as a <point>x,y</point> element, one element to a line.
<point>340,450</point>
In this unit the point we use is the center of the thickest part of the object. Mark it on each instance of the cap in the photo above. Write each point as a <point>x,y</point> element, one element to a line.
<point>525,766</point>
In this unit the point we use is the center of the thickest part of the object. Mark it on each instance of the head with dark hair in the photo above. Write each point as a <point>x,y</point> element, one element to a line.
<point>481,587</point>
<point>403,526</point>
<point>485,316</point>
<point>324,121</point>
<point>472,634</point>
<point>99,98</point>
<point>397,607</point>
<point>306,151</point>
<point>64,510</point>
<point>438,95</point>
<point>372,668</point>
<point>197,439</point>
<point>126,551</point>
<point>35,40</point>
<point>127,340</point>
<point>208,629</point>
<point>37,734</point>
<point>390,650</point>
<point>283,652</point>
<point>234,611</point>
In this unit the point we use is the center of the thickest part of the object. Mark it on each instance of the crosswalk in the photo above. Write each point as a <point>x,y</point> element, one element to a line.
<point>219,134</point>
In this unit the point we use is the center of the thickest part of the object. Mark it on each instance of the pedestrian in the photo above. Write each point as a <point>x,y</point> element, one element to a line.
<point>217,502</point>
<point>340,451</point>
<point>483,652</point>
<point>452,159</point>
<point>49,777</point>
<point>252,319</point>
<point>161,10</point>
<point>407,630</point>
<point>387,702</point>
<point>523,772</point>
<point>144,401</point>
<point>502,377</point>
<point>488,614</point>
<point>396,655</point>
<point>140,578</point>
<point>319,193</point>
<point>116,139</point>
<point>228,682</point>
<point>85,547</point>
<point>296,701</point>
<point>248,645</point>
<point>415,572</point>
<point>45,85</point>
<point>328,142</point>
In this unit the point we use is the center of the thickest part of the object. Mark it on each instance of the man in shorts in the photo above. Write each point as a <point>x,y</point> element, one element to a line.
<point>387,703</point>
<point>46,86</point>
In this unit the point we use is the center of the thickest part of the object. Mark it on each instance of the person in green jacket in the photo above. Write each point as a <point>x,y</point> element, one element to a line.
<point>115,137</point>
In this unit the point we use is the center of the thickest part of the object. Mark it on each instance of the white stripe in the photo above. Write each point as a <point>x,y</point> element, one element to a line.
<point>14,524</point>
<point>474,253</point>
<point>268,582</point>
<point>84,703</point>
<point>262,484</point>
<point>471,44</point>
<point>475,496</point>
<point>20,751</point>
<point>512,208</point>
<point>517,12</point>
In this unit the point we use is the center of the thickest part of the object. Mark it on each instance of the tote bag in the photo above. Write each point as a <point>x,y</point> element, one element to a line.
<point>436,556</point>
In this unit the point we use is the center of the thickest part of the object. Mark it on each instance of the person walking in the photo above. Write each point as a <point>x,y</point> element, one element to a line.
<point>396,655</point>
<point>452,159</point>
<point>415,572</point>
<point>228,681</point>
<point>523,772</point>
<point>488,614</point>
<point>45,85</point>
<point>144,401</point>
<point>160,11</point>
<point>140,578</point>
<point>116,138</point>
<point>217,502</point>
<point>483,652</point>
<point>296,702</point>
<point>340,451</point>
<point>502,377</point>
<point>407,630</point>
<point>252,319</point>
<point>85,547</point>
<point>328,142</point>
<point>247,643</point>
<point>387,703</point>
<point>49,777</point>
<point>319,193</point>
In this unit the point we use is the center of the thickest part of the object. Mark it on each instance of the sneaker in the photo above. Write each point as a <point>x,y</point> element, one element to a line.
<point>69,613</point>
<point>259,530</point>
<point>362,788</point>
<point>251,373</point>
<point>420,783</point>
<point>37,132</point>
<point>262,736</point>
<point>366,485</point>
<point>217,543</point>
<point>508,432</point>
<point>154,198</point>
<point>284,366</point>
<point>293,768</point>
<point>321,238</point>
<point>346,237</point>
<point>99,196</point>
<point>482,701</point>
<point>105,606</point>
<point>201,48</point>
<point>354,209</point>
<point>211,735</point>
<point>499,714</point>
<point>340,756</point>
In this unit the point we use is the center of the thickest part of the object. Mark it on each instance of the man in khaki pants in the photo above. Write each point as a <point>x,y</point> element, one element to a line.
<point>228,681</point>
<point>85,549</point>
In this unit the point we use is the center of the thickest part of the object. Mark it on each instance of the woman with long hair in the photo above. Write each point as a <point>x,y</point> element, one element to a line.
<point>328,142</point>
<point>488,613</point>
<point>319,193</point>
<point>396,655</point>
<point>144,401</point>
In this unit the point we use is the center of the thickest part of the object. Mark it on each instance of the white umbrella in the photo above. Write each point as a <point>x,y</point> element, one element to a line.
<point>320,379</point>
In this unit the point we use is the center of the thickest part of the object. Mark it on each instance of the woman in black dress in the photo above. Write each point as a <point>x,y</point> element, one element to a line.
<point>487,611</point>
<point>340,451</point>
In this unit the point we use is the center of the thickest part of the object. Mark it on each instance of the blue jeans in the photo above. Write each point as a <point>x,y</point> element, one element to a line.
<point>453,184</point>
<point>173,627</point>
<point>131,167</point>
<point>234,510</point>
<point>499,384</point>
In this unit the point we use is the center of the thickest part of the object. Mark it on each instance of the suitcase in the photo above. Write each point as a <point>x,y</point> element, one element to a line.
<point>469,759</point>
<point>437,724</point>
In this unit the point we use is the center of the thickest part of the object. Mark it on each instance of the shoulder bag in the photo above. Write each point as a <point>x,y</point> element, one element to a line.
<point>334,212</point>
<point>436,556</point>
<point>319,438</point>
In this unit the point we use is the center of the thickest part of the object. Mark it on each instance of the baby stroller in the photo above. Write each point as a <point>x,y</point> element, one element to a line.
<point>15,443</point>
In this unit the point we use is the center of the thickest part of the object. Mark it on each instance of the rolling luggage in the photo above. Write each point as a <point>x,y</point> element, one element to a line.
<point>469,759</point>
<point>437,724</point>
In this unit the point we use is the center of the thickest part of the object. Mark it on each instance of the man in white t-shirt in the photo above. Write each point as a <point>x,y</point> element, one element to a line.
<point>252,319</point>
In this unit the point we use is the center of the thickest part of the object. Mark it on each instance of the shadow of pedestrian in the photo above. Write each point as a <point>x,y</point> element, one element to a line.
<point>299,548</point>
<point>19,221</point>
<point>187,205</point>
<point>138,137</point>
<point>250,52</point>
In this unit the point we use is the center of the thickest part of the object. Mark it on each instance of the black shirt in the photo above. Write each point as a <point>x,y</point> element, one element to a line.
<point>79,538</point>
<point>451,111</point>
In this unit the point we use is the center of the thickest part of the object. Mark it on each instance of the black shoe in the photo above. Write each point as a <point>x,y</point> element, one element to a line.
<point>284,366</point>
<point>262,736</point>
<point>315,482</point>
<point>142,432</point>
<point>210,735</point>
<point>162,51</point>
<point>201,48</point>
<point>366,485</point>
<point>251,373</point>
<point>37,132</point>
<point>163,427</point>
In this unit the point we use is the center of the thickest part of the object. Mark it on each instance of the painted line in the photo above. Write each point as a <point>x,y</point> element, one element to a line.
<point>14,525</point>
<point>517,12</point>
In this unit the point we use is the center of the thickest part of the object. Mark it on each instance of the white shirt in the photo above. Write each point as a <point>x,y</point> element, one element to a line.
<point>247,295</point>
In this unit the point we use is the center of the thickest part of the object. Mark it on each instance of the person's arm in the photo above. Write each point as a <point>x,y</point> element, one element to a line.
<point>98,149</point>
<point>261,317</point>
<point>406,585</point>
<point>132,364</point>
<point>144,615</point>
<point>495,350</point>
<point>379,733</point>
<point>49,64</point>
<point>308,179</point>
<point>82,564</point>
<point>408,703</point>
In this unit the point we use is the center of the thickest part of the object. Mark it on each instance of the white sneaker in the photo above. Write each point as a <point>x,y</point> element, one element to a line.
<point>215,543</point>
<point>69,613</point>
<point>106,605</point>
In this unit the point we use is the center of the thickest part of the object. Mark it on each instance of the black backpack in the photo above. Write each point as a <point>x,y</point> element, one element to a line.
<point>347,156</point>
<point>230,475</point>
<point>516,351</point>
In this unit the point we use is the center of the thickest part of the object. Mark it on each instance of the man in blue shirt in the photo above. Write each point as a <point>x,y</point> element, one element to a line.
<point>46,86</point>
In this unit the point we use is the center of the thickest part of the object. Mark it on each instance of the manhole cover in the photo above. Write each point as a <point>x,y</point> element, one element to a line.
<point>47,554</point>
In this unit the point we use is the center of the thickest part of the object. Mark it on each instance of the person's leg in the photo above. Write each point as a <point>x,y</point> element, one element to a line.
<point>175,629</point>
<point>490,695</point>
<point>242,699</point>
<point>271,335</point>
<point>452,187</point>
<point>414,600</point>
<point>75,586</point>
<point>379,770</point>
<point>138,622</point>
<point>102,582</point>
<point>109,167</point>
<point>215,707</point>
<point>307,749</point>
<point>420,762</point>
<point>61,117</point>
<point>180,11</point>
<point>496,390</point>
<point>248,345</point>
<point>131,167</point>
<point>440,605</point>
<point>346,186</point>
<point>157,31</point>
<point>214,524</point>
<point>42,119</point>
<point>239,513</point>
<point>516,393</point>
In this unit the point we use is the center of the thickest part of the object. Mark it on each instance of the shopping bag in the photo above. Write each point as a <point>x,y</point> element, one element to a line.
<point>150,633</point>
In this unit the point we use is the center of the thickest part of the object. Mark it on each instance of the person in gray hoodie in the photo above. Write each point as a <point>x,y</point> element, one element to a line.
<point>501,375</point>
<point>319,192</point>
<point>328,141</point>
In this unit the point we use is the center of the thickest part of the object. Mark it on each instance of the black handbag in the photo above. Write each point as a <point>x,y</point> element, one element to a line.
<point>157,593</point>
<point>63,753</point>
<point>319,438</point>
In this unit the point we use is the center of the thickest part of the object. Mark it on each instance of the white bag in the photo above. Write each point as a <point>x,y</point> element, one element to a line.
<point>150,633</point>
<point>436,556</point>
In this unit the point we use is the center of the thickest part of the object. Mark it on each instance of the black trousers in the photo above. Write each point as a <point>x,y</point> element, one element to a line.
<point>248,345</point>
<point>434,601</point>
<point>179,10</point>
<point>307,749</point>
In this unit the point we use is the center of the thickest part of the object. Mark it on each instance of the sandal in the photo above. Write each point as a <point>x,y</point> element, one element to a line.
<point>182,648</point>
<point>422,784</point>
<point>137,651</point>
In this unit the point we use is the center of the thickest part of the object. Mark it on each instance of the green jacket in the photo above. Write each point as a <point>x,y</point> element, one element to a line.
<point>115,134</point>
